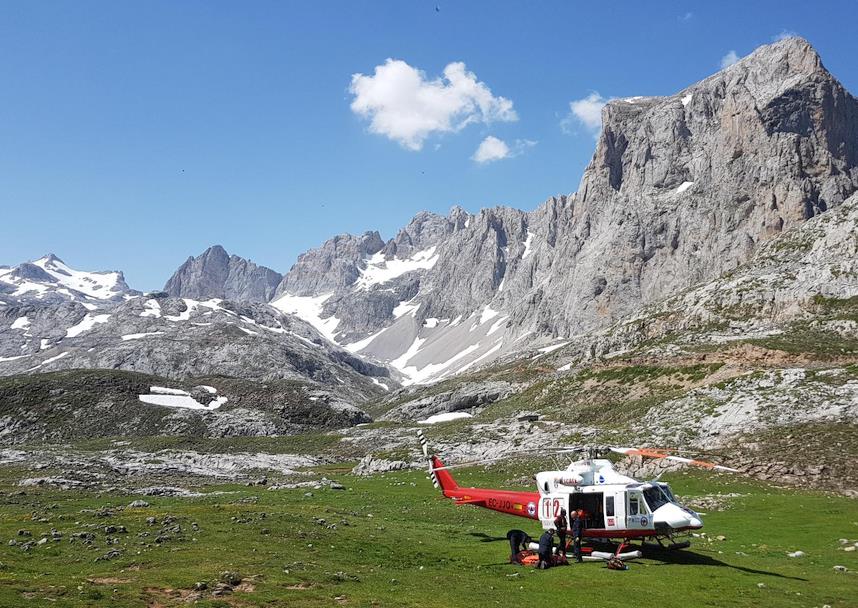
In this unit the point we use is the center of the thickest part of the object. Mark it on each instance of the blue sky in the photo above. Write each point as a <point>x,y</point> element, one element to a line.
<point>136,134</point>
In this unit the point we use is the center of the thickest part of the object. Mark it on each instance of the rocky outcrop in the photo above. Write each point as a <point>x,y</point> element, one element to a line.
<point>369,465</point>
<point>216,274</point>
<point>332,267</point>
<point>467,396</point>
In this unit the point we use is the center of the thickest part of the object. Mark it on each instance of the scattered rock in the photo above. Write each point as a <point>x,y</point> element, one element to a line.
<point>371,466</point>
<point>229,577</point>
<point>112,554</point>
<point>138,504</point>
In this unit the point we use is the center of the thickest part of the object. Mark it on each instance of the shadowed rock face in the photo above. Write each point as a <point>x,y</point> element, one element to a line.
<point>216,274</point>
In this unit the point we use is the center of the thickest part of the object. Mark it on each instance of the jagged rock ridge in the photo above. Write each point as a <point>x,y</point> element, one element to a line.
<point>680,190</point>
<point>216,274</point>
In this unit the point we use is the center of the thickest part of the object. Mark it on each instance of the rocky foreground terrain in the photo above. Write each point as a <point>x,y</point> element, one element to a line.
<point>699,291</point>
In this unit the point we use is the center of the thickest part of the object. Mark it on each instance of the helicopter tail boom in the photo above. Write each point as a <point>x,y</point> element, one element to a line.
<point>442,477</point>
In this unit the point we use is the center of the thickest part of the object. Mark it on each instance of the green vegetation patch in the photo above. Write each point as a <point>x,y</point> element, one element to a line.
<point>393,541</point>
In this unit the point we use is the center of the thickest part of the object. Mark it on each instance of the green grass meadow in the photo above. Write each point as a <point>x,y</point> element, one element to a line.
<point>393,541</point>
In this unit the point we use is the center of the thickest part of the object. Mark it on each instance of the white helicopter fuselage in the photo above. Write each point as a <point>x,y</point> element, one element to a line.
<point>614,505</point>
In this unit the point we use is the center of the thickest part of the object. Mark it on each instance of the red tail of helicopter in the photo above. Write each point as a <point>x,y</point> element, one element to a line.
<point>523,504</point>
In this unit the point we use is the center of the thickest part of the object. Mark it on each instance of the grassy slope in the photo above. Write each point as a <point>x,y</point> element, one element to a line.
<point>417,550</point>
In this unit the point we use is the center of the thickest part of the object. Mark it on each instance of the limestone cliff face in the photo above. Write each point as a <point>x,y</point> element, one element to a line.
<point>684,188</point>
<point>680,190</point>
<point>216,274</point>
<point>333,266</point>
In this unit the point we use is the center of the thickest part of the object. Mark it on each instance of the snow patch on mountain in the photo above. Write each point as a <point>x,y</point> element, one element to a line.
<point>432,371</point>
<point>404,308</point>
<point>380,270</point>
<point>174,397</point>
<point>127,337</point>
<point>152,308</point>
<point>445,417</point>
<point>20,323</point>
<point>309,309</point>
<point>86,324</point>
<point>527,245</point>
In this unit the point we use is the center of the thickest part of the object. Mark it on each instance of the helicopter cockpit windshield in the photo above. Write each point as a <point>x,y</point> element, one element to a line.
<point>658,495</point>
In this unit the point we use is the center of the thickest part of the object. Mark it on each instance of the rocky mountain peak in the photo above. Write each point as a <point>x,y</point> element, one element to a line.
<point>333,266</point>
<point>51,279</point>
<point>216,274</point>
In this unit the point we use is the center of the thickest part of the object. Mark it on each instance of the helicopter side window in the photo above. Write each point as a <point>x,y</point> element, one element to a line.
<point>609,506</point>
<point>633,505</point>
<point>655,497</point>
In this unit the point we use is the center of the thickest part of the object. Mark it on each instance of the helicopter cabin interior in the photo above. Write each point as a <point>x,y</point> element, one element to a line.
<point>594,506</point>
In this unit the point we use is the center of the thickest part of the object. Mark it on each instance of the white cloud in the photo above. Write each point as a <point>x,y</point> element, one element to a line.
<point>492,149</point>
<point>729,59</point>
<point>587,112</point>
<point>687,16</point>
<point>404,106</point>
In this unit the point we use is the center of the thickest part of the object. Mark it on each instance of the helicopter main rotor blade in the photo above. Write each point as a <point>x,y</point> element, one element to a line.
<point>663,454</point>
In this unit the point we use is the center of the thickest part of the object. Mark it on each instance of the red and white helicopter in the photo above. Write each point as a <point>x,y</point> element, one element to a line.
<point>615,506</point>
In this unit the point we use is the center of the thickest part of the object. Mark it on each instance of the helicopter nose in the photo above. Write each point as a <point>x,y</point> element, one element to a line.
<point>674,516</point>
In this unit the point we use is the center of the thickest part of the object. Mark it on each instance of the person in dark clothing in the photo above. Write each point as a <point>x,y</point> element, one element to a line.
<point>546,546</point>
<point>561,523</point>
<point>577,528</point>
<point>518,541</point>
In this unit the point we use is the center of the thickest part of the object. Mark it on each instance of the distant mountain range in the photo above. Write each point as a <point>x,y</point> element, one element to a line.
<point>681,190</point>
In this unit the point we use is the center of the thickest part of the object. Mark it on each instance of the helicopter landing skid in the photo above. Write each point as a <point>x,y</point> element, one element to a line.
<point>673,544</point>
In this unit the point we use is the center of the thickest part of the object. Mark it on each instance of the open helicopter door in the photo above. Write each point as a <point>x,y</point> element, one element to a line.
<point>638,516</point>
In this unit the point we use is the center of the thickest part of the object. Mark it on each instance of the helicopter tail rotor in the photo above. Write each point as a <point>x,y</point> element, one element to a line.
<point>424,445</point>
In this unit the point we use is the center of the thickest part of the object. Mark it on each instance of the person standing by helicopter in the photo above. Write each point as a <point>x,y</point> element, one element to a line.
<point>577,525</point>
<point>561,524</point>
<point>546,546</point>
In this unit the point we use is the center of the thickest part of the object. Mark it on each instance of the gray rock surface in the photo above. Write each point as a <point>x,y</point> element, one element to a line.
<point>681,190</point>
<point>333,266</point>
<point>216,274</point>
<point>466,396</point>
<point>369,465</point>
<point>179,338</point>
